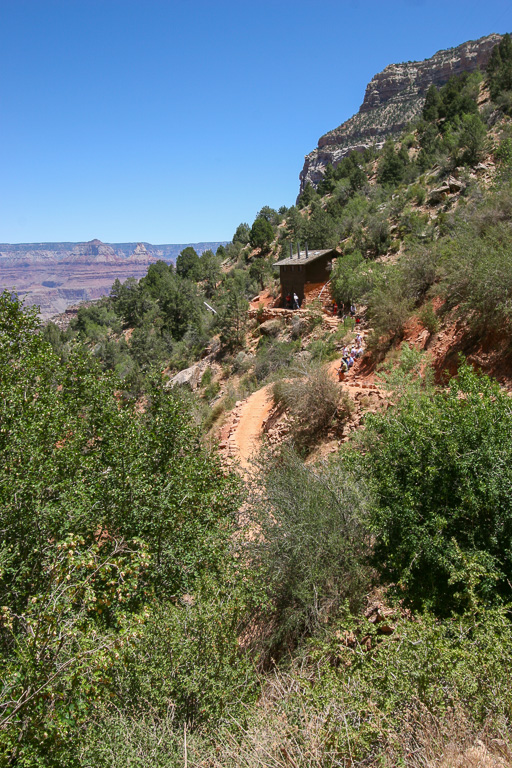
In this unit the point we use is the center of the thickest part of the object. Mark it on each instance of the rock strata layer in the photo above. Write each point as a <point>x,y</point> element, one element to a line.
<point>393,98</point>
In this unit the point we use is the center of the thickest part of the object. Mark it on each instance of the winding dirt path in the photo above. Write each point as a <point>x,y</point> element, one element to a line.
<point>240,437</point>
<point>253,413</point>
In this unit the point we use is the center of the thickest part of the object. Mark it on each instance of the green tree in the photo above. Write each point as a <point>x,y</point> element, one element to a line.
<point>270,214</point>
<point>187,263</point>
<point>328,182</point>
<point>158,279</point>
<point>232,317</point>
<point>262,234</point>
<point>181,307</point>
<point>499,73</point>
<point>320,229</point>
<point>307,196</point>
<point>392,164</point>
<point>431,105</point>
<point>472,139</point>
<point>260,270</point>
<point>242,234</point>
<point>210,271</point>
<point>358,178</point>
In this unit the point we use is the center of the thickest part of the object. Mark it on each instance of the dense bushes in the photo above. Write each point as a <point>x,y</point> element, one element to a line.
<point>434,693</point>
<point>499,73</point>
<point>105,507</point>
<point>442,472</point>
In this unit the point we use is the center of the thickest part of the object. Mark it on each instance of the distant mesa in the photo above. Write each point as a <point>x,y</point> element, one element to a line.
<point>57,275</point>
<point>393,98</point>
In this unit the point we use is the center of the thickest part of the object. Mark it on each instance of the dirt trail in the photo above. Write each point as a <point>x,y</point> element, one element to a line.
<point>252,415</point>
<point>241,435</point>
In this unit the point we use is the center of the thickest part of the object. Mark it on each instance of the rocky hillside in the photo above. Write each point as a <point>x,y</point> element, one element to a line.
<point>56,275</point>
<point>393,98</point>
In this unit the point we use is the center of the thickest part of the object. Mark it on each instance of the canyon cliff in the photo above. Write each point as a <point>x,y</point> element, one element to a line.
<point>393,98</point>
<point>56,275</point>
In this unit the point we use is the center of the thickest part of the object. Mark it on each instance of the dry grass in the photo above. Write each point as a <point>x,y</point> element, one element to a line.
<point>314,738</point>
<point>313,400</point>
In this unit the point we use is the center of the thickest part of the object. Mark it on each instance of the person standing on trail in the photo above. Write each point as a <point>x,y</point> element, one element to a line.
<point>342,369</point>
<point>296,301</point>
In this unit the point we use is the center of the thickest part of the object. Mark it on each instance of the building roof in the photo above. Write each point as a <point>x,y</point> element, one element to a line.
<point>312,256</point>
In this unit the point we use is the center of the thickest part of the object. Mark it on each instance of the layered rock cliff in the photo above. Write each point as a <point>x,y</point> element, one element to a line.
<point>393,98</point>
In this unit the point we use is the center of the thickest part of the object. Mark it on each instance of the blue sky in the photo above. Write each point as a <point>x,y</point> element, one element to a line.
<point>171,121</point>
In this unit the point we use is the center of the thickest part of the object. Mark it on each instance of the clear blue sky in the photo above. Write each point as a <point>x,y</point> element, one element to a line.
<point>173,121</point>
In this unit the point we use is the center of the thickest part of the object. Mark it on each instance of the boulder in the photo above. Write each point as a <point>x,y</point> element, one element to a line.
<point>439,194</point>
<point>455,185</point>
<point>300,326</point>
<point>271,328</point>
<point>190,377</point>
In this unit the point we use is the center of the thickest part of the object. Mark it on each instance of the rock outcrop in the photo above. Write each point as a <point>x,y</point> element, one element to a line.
<point>393,98</point>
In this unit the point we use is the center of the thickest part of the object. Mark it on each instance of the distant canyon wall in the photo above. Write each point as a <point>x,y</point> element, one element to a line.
<point>56,275</point>
<point>393,98</point>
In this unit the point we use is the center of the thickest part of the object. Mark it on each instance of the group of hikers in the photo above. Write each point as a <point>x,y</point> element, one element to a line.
<point>343,312</point>
<point>349,356</point>
<point>292,302</point>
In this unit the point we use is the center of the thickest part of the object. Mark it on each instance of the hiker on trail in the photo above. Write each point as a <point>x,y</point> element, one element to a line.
<point>342,369</point>
<point>289,302</point>
<point>296,301</point>
<point>352,310</point>
<point>359,340</point>
<point>334,309</point>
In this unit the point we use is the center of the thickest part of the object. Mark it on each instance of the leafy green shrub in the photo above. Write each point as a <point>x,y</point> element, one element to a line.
<point>418,270</point>
<point>499,73</point>
<point>389,306</point>
<point>130,508</point>
<point>471,141</point>
<point>274,356</point>
<point>417,192</point>
<point>392,164</point>
<point>442,468</point>
<point>207,376</point>
<point>476,263</point>
<point>429,318</point>
<point>211,391</point>
<point>345,277</point>
<point>376,237</point>
<point>324,349</point>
